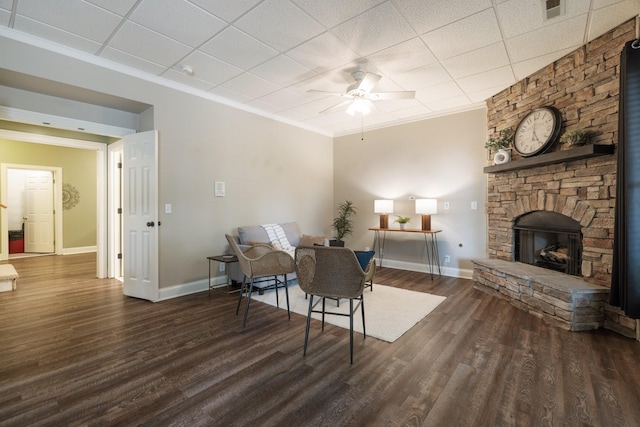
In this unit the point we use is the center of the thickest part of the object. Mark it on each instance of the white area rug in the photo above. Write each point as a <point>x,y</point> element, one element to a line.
<point>389,312</point>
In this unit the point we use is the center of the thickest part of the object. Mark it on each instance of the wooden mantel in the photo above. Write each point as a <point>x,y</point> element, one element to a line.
<point>591,150</point>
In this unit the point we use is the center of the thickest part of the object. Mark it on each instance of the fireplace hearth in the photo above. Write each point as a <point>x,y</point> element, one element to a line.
<point>549,240</point>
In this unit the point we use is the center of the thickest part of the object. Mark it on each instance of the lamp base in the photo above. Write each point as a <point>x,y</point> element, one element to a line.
<point>384,221</point>
<point>426,222</point>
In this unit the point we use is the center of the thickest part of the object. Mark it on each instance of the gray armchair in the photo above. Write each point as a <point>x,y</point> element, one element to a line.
<point>331,272</point>
<point>261,262</point>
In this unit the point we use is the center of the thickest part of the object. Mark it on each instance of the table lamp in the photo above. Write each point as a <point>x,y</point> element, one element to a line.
<point>426,207</point>
<point>384,208</point>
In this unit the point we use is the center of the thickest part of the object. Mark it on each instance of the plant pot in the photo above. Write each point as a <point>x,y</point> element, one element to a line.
<point>403,226</point>
<point>338,243</point>
<point>501,157</point>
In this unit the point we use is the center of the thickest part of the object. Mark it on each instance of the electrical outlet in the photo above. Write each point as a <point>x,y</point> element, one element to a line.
<point>223,267</point>
<point>447,259</point>
<point>446,205</point>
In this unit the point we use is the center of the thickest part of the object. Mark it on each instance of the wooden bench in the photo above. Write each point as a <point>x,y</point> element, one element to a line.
<point>8,276</point>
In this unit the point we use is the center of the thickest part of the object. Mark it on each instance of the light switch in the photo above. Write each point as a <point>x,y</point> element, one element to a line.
<point>446,205</point>
<point>474,206</point>
<point>219,189</point>
<point>167,208</point>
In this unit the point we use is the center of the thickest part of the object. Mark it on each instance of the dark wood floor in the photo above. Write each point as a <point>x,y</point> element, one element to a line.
<point>75,351</point>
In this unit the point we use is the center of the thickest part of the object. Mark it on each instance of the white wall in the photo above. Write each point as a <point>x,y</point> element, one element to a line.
<point>439,158</point>
<point>273,171</point>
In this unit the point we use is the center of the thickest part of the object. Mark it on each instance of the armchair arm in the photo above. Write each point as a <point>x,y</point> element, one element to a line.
<point>256,251</point>
<point>272,263</point>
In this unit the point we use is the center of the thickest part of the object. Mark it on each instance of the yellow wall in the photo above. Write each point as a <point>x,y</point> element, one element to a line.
<point>78,169</point>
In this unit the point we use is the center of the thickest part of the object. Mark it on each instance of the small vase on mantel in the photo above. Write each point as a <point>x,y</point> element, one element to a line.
<point>501,157</point>
<point>403,225</point>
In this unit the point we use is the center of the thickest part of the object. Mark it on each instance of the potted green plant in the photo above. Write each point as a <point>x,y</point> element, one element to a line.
<point>402,221</point>
<point>343,223</point>
<point>499,144</point>
<point>576,136</point>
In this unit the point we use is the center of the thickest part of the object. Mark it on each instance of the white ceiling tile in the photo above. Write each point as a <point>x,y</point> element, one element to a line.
<point>429,15</point>
<point>229,10</point>
<point>332,12</point>
<point>185,79</point>
<point>449,103</point>
<point>483,95</point>
<point>389,106</point>
<point>525,68</point>
<point>426,76</point>
<point>121,7</point>
<point>479,60</point>
<point>6,4</point>
<point>283,71</point>
<point>417,110</point>
<point>73,16</point>
<point>280,24</point>
<point>547,40</point>
<point>375,30</point>
<point>403,57</point>
<point>4,17</point>
<point>518,17</point>
<point>323,53</point>
<point>53,34</point>
<point>438,92</point>
<point>131,61</point>
<point>487,79</point>
<point>177,19</point>
<point>611,16</point>
<point>239,49</point>
<point>210,69</point>
<point>466,35</point>
<point>283,99</point>
<point>249,85</point>
<point>139,41</point>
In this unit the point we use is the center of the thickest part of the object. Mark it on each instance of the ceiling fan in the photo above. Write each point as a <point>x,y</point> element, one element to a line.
<point>360,96</point>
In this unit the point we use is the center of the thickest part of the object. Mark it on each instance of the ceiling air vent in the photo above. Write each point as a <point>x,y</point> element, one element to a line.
<point>553,8</point>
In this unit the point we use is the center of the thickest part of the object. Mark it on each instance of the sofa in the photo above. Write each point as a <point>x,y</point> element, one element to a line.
<point>253,234</point>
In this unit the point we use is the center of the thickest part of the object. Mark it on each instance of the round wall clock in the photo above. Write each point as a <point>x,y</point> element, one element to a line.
<point>537,131</point>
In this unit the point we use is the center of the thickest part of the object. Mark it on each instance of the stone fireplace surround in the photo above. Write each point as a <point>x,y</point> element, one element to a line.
<point>584,86</point>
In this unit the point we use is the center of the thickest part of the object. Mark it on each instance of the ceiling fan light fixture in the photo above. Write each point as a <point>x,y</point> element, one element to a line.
<point>358,105</point>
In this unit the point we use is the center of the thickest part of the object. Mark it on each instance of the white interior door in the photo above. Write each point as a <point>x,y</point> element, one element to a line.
<point>39,225</point>
<point>140,215</point>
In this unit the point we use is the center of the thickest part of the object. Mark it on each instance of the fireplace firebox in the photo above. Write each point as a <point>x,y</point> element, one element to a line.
<point>548,240</point>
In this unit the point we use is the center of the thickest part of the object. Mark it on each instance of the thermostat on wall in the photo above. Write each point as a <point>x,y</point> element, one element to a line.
<point>219,189</point>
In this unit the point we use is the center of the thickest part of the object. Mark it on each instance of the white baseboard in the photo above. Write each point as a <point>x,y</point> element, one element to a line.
<point>190,288</point>
<point>462,273</point>
<point>79,250</point>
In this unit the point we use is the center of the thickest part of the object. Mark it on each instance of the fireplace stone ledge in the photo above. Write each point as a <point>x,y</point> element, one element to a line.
<point>559,299</point>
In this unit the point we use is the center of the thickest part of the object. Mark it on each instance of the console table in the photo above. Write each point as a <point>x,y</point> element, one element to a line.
<point>430,245</point>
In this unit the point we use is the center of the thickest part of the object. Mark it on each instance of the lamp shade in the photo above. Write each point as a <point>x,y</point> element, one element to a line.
<point>427,206</point>
<point>383,206</point>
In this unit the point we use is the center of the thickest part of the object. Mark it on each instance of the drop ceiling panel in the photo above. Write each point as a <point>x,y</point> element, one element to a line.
<point>267,54</point>
<point>177,19</point>
<point>280,24</point>
<point>238,48</point>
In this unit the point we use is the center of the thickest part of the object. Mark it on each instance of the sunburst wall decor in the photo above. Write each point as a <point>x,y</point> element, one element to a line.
<point>70,196</point>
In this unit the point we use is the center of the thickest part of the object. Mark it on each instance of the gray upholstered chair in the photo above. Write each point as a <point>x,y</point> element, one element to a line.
<point>260,263</point>
<point>330,272</point>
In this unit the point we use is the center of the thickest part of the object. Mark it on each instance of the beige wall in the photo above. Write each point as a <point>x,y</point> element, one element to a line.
<point>273,171</point>
<point>78,169</point>
<point>438,158</point>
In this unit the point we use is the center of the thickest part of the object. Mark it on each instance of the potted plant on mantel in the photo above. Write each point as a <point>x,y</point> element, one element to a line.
<point>499,145</point>
<point>402,221</point>
<point>577,137</point>
<point>343,223</point>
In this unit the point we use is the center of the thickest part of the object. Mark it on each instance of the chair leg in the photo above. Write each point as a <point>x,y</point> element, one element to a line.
<point>286,291</point>
<point>276,285</point>
<point>246,310</point>
<point>323,301</point>
<point>306,333</point>
<point>351,330</point>
<point>242,287</point>
<point>364,328</point>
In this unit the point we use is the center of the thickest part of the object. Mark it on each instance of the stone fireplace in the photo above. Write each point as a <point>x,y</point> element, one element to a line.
<point>548,240</point>
<point>559,206</point>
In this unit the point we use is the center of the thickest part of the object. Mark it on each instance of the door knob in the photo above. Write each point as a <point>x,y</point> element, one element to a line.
<point>150,224</point>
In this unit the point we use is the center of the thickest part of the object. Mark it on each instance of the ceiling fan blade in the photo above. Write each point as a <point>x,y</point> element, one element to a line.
<point>325,92</point>
<point>333,108</point>
<point>368,82</point>
<point>377,96</point>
